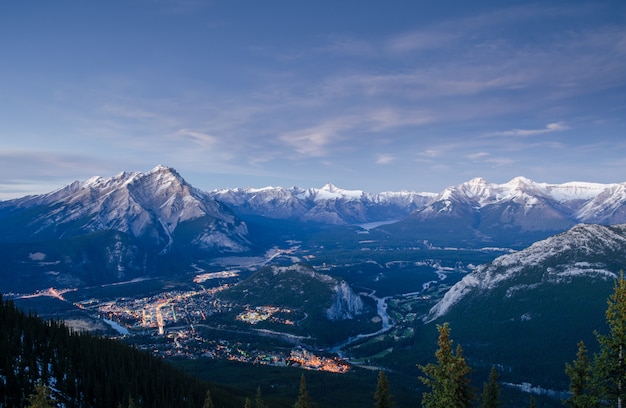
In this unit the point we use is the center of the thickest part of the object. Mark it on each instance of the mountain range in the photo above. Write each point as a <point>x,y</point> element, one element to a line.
<point>121,225</point>
<point>523,311</point>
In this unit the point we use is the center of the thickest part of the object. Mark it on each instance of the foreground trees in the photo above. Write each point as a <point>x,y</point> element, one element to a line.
<point>602,381</point>
<point>382,397</point>
<point>491,391</point>
<point>303,396</point>
<point>448,379</point>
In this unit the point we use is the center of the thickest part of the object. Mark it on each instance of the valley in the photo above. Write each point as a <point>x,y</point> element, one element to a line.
<point>336,282</point>
<point>184,317</point>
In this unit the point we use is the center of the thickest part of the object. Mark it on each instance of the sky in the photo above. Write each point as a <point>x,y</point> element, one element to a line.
<point>370,95</point>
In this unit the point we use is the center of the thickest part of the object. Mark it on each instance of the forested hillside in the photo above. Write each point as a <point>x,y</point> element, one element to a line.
<point>84,370</point>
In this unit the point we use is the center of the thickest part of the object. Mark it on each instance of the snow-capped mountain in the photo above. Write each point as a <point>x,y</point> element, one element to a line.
<point>514,213</point>
<point>575,201</point>
<point>152,206</point>
<point>586,250</point>
<point>159,208</point>
<point>328,204</point>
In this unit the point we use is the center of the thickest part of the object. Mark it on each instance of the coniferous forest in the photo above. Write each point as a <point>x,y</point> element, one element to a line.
<point>84,370</point>
<point>45,364</point>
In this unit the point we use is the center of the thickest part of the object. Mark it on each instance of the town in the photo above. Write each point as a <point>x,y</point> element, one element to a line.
<point>173,324</point>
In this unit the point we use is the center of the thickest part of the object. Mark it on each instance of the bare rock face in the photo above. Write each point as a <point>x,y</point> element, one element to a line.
<point>346,303</point>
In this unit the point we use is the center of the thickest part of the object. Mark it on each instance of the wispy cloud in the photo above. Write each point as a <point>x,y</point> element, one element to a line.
<point>126,112</point>
<point>202,139</point>
<point>550,128</point>
<point>477,156</point>
<point>385,158</point>
<point>422,40</point>
<point>315,141</point>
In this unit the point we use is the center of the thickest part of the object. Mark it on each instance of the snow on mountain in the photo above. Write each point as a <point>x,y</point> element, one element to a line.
<point>149,206</point>
<point>482,193</point>
<point>155,203</point>
<point>608,207</point>
<point>521,205</point>
<point>328,204</point>
<point>516,213</point>
<point>583,250</point>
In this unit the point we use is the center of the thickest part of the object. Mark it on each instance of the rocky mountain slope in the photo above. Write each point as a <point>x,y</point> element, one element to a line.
<point>157,208</point>
<point>534,305</point>
<point>589,250</point>
<point>299,286</point>
<point>325,309</point>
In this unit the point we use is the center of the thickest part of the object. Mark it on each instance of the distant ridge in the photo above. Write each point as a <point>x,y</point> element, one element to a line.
<point>161,210</point>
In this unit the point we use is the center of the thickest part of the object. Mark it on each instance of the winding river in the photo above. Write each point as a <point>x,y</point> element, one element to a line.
<point>387,324</point>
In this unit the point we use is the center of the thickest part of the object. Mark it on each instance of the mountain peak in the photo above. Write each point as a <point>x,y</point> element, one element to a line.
<point>477,180</point>
<point>330,187</point>
<point>159,168</point>
<point>520,181</point>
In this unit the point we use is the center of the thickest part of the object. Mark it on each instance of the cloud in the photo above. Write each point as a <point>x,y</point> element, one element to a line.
<point>199,138</point>
<point>129,113</point>
<point>385,158</point>
<point>550,128</point>
<point>421,40</point>
<point>315,140</point>
<point>428,155</point>
<point>477,156</point>
<point>484,157</point>
<point>27,172</point>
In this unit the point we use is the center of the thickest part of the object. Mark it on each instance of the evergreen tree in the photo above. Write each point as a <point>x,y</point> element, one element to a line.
<point>248,403</point>
<point>258,400</point>
<point>382,397</point>
<point>208,400</point>
<point>41,398</point>
<point>491,391</point>
<point>609,364</point>
<point>532,402</point>
<point>303,395</point>
<point>580,373</point>
<point>447,379</point>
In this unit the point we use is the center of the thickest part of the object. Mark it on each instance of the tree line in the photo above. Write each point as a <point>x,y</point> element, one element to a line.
<point>90,371</point>
<point>83,369</point>
<point>595,381</point>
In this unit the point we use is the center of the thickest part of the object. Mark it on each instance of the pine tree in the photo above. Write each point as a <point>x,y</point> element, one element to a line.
<point>208,400</point>
<point>258,400</point>
<point>447,379</point>
<point>303,395</point>
<point>382,397</point>
<point>609,364</point>
<point>580,373</point>
<point>491,391</point>
<point>532,402</point>
<point>41,398</point>
<point>248,403</point>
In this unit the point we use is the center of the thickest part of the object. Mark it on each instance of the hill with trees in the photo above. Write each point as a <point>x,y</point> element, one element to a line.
<point>47,359</point>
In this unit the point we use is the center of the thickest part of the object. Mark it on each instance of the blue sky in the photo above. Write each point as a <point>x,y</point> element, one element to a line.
<point>371,95</point>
